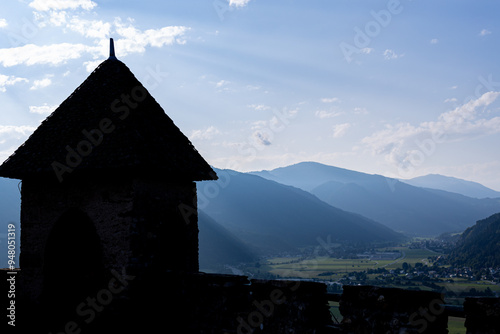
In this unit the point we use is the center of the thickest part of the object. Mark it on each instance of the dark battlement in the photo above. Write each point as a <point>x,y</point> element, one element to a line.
<point>211,303</point>
<point>195,302</point>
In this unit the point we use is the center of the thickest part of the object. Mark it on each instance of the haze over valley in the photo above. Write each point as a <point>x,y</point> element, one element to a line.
<point>244,216</point>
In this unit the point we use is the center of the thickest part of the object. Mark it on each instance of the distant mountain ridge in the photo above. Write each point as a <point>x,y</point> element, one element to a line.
<point>274,217</point>
<point>309,175</point>
<point>455,185</point>
<point>245,215</point>
<point>400,206</point>
<point>249,216</point>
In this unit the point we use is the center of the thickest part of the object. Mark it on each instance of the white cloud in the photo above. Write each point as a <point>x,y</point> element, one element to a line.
<point>23,130</point>
<point>325,114</point>
<point>56,54</point>
<point>221,83</point>
<point>259,124</point>
<point>252,87</point>
<point>42,110</point>
<point>6,80</point>
<point>484,32</point>
<point>90,66</point>
<point>367,51</point>
<point>399,142</point>
<point>37,84</point>
<point>3,23</point>
<point>135,40</point>
<point>238,3</point>
<point>468,112</point>
<point>340,130</point>
<point>360,111</point>
<point>58,18</point>
<point>262,138</point>
<point>390,54</point>
<point>434,41</point>
<point>92,29</point>
<point>207,134</point>
<point>51,12</point>
<point>452,100</point>
<point>55,18</point>
<point>264,130</point>
<point>53,54</point>
<point>7,153</point>
<point>330,100</point>
<point>46,5</point>
<point>259,107</point>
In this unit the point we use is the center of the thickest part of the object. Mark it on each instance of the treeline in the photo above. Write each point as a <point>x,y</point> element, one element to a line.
<point>479,245</point>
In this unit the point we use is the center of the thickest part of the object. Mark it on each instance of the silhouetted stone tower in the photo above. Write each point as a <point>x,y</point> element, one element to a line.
<point>107,184</point>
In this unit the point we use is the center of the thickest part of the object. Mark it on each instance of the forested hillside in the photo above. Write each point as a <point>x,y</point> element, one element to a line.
<point>479,245</point>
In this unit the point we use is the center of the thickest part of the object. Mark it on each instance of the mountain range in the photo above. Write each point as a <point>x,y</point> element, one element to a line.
<point>243,216</point>
<point>402,207</point>
<point>273,217</point>
<point>454,185</point>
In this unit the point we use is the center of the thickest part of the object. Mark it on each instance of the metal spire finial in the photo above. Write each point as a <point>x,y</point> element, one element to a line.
<point>111,49</point>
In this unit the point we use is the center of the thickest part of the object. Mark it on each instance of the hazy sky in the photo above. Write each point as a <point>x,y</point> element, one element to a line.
<point>398,88</point>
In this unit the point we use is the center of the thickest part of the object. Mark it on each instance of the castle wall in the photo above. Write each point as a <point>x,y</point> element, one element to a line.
<point>212,303</point>
<point>142,224</point>
<point>482,315</point>
<point>108,205</point>
<point>371,309</point>
<point>165,226</point>
<point>215,304</point>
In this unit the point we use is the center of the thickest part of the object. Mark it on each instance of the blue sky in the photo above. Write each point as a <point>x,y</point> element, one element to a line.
<point>398,88</point>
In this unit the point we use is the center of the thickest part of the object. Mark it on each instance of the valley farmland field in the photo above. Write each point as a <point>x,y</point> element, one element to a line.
<point>377,270</point>
<point>329,268</point>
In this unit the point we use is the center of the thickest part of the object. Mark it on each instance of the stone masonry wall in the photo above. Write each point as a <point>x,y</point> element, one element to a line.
<point>370,309</point>
<point>109,206</point>
<point>164,235</point>
<point>482,315</point>
<point>224,304</point>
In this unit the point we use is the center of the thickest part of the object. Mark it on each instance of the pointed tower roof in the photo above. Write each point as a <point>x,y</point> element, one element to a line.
<point>110,123</point>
